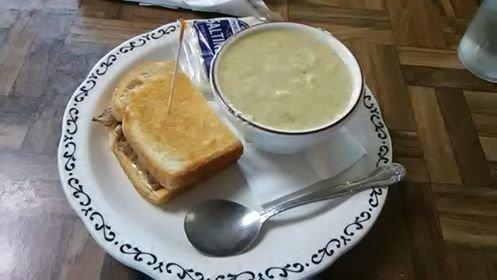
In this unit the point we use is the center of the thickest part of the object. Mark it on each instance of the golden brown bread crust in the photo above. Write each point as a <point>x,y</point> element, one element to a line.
<point>202,170</point>
<point>196,171</point>
<point>138,76</point>
<point>159,195</point>
<point>154,195</point>
<point>184,146</point>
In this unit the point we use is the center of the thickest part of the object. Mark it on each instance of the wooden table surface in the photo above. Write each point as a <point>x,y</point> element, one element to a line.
<point>441,223</point>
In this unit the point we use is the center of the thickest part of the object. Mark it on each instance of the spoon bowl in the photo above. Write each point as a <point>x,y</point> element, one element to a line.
<point>221,227</point>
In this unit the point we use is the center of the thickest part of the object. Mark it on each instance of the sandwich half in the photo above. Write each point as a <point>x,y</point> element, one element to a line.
<point>164,153</point>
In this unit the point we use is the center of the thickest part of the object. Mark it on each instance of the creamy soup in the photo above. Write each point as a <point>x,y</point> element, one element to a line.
<point>285,79</point>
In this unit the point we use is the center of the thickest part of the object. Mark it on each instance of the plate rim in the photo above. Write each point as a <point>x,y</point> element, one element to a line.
<point>148,262</point>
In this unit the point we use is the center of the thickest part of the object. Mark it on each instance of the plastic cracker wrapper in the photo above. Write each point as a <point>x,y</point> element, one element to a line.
<point>202,39</point>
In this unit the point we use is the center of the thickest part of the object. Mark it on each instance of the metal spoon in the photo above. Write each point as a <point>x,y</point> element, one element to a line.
<point>223,228</point>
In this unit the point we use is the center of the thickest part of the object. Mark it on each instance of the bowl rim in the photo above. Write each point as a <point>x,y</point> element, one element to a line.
<point>240,115</point>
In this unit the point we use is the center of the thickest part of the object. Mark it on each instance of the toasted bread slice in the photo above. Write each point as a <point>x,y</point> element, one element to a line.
<point>133,80</point>
<point>143,182</point>
<point>180,147</point>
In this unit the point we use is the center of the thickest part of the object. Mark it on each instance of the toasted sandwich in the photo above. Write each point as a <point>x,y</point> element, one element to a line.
<point>164,153</point>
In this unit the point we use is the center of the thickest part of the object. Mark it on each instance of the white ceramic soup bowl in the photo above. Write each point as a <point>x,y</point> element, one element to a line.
<point>276,140</point>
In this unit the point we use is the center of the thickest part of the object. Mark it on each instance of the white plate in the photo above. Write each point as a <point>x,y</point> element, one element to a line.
<point>297,244</point>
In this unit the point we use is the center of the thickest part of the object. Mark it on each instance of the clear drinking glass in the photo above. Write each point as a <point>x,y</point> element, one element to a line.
<point>478,48</point>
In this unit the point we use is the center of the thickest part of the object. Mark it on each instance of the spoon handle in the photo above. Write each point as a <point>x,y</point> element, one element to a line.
<point>382,176</point>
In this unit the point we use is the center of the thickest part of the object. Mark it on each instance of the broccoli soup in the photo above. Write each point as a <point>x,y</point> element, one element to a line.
<point>285,79</point>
